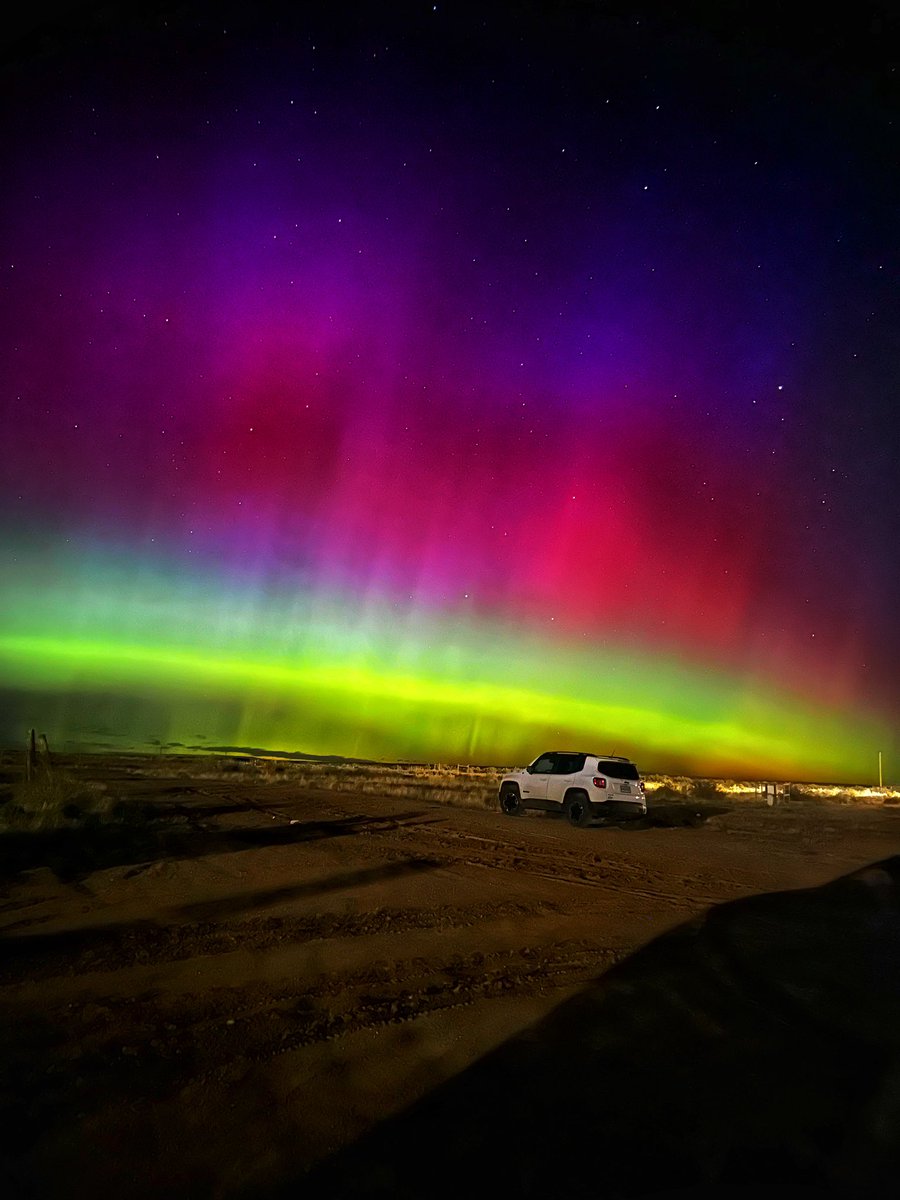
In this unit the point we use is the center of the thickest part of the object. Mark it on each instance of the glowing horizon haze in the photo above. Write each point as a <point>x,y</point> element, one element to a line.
<point>397,389</point>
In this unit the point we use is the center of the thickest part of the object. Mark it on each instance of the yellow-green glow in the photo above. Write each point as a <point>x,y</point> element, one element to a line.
<point>285,703</point>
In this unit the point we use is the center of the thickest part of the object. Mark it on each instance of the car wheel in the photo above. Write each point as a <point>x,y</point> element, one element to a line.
<point>577,809</point>
<point>510,800</point>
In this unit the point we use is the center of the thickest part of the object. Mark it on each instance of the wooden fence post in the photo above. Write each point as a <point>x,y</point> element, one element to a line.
<point>30,758</point>
<point>44,753</point>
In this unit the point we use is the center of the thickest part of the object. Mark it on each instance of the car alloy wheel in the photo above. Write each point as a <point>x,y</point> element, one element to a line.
<point>510,802</point>
<point>578,811</point>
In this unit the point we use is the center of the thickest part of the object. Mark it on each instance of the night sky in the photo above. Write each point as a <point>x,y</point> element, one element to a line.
<point>454,382</point>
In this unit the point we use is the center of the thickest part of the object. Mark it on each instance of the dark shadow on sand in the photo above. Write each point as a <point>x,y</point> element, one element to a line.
<point>688,815</point>
<point>74,854</point>
<point>28,957</point>
<point>752,1051</point>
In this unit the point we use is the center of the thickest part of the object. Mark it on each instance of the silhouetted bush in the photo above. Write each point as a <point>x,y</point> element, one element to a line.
<point>706,789</point>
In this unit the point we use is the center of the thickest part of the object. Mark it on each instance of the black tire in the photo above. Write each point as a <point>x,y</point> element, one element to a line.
<point>577,809</point>
<point>510,800</point>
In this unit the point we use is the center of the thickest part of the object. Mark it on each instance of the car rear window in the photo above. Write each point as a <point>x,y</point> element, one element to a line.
<point>618,770</point>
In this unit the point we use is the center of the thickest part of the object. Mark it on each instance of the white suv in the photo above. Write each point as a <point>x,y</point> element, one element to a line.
<point>586,787</point>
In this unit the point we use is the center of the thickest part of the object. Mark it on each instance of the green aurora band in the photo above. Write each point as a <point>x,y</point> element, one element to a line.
<point>178,655</point>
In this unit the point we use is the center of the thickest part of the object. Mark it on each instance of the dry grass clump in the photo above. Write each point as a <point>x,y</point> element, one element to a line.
<point>844,794</point>
<point>56,800</point>
<point>462,785</point>
<point>674,787</point>
<point>686,789</point>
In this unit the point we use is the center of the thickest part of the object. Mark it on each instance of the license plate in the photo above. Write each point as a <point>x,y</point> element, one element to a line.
<point>625,787</point>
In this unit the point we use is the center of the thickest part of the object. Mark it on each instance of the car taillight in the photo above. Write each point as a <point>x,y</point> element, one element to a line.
<point>599,781</point>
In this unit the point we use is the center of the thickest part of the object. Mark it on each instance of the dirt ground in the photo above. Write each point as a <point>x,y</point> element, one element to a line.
<point>238,976</point>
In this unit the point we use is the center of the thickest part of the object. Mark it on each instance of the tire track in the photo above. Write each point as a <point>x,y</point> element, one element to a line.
<point>561,865</point>
<point>47,956</point>
<point>146,1047</point>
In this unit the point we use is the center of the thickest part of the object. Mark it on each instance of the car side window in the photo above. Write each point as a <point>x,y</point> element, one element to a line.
<point>544,764</point>
<point>569,764</point>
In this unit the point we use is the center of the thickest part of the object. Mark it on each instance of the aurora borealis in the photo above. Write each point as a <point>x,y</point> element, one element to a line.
<point>449,384</point>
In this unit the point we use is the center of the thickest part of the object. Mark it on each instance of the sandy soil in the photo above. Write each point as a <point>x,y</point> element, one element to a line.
<point>240,977</point>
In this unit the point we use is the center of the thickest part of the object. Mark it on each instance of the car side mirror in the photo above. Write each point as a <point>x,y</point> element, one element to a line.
<point>530,769</point>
